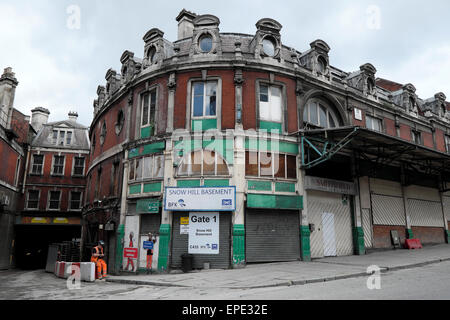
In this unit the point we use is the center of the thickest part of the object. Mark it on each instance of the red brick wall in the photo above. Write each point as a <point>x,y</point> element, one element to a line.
<point>428,140</point>
<point>382,236</point>
<point>405,132</point>
<point>44,195</point>
<point>8,159</point>
<point>390,127</point>
<point>429,235</point>
<point>440,141</point>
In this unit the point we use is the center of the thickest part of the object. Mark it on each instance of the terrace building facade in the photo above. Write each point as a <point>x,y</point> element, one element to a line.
<point>323,162</point>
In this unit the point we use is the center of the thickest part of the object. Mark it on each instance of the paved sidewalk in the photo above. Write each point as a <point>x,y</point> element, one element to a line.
<point>294,273</point>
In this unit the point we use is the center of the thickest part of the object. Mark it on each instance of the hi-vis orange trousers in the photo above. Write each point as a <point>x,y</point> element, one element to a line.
<point>100,266</point>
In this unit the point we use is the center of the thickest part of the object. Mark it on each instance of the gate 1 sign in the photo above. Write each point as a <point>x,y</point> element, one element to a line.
<point>200,199</point>
<point>203,233</point>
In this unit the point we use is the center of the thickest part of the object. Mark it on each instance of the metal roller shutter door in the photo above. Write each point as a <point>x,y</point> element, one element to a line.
<point>367,227</point>
<point>388,210</point>
<point>446,201</point>
<point>180,244</point>
<point>425,213</point>
<point>150,223</point>
<point>272,235</point>
<point>320,203</point>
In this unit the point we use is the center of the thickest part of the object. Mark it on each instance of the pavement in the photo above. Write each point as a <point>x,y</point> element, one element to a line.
<point>267,275</point>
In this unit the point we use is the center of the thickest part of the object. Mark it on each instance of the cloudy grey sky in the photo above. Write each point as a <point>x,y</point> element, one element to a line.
<point>60,67</point>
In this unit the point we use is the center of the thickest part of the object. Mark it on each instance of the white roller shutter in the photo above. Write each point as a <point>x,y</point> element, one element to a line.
<point>322,202</point>
<point>388,210</point>
<point>424,207</point>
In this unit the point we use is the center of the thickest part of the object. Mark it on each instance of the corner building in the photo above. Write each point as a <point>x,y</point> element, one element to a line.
<point>324,162</point>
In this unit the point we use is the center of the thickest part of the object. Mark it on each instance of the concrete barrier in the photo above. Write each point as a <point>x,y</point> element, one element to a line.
<point>64,270</point>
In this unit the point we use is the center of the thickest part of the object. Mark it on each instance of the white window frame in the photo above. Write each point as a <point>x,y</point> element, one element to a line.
<point>63,167</point>
<point>73,166</point>
<point>28,199</point>
<point>49,199</point>
<point>273,166</point>
<point>328,109</point>
<point>447,143</point>
<point>149,92</point>
<point>70,201</point>
<point>33,164</point>
<point>271,102</point>
<point>416,134</point>
<point>205,83</point>
<point>372,120</point>
<point>202,174</point>
<point>142,160</point>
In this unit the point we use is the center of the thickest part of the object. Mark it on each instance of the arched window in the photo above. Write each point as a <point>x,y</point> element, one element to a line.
<point>321,65</point>
<point>370,86</point>
<point>103,134</point>
<point>203,163</point>
<point>320,114</point>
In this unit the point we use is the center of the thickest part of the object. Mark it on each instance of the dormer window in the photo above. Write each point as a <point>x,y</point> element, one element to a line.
<point>152,55</point>
<point>321,65</point>
<point>370,86</point>
<point>268,46</point>
<point>205,43</point>
<point>61,138</point>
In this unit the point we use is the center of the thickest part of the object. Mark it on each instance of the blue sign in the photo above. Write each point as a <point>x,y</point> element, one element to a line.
<point>148,245</point>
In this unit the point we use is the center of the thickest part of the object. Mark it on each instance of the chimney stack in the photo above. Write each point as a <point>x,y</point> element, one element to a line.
<point>39,117</point>
<point>185,24</point>
<point>73,116</point>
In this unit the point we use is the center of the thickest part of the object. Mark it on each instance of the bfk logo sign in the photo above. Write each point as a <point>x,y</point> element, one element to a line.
<point>179,204</point>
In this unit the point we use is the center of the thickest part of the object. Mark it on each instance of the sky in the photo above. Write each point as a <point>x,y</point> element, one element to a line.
<point>60,50</point>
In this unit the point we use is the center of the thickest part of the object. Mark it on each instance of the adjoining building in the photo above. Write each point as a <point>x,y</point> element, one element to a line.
<point>319,161</point>
<point>53,188</point>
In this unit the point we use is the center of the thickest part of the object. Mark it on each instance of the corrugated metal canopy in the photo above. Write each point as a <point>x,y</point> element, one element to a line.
<point>372,144</point>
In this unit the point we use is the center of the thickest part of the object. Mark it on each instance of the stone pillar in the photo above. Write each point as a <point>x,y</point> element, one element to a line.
<point>358,231</point>
<point>238,180</point>
<point>123,213</point>
<point>171,102</point>
<point>409,233</point>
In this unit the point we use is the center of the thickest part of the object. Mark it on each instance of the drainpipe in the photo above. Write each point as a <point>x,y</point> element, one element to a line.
<point>28,155</point>
<point>123,214</point>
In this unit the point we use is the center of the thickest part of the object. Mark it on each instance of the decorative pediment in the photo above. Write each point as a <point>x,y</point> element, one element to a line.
<point>153,34</point>
<point>110,74</point>
<point>409,87</point>
<point>267,24</point>
<point>127,55</point>
<point>206,20</point>
<point>368,69</point>
<point>320,46</point>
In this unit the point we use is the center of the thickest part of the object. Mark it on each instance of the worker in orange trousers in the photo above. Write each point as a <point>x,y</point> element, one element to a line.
<point>97,258</point>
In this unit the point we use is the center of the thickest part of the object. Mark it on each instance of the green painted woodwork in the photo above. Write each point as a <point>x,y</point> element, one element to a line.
<point>148,206</point>
<point>284,187</point>
<point>274,201</point>
<point>358,241</point>
<point>148,149</point>
<point>204,124</point>
<point>152,187</point>
<point>135,189</point>
<point>217,183</point>
<point>164,246</point>
<point>238,244</point>
<point>305,243</point>
<point>224,147</point>
<point>409,234</point>
<point>259,185</point>
<point>274,127</point>
<point>253,144</point>
<point>188,183</point>
<point>147,132</point>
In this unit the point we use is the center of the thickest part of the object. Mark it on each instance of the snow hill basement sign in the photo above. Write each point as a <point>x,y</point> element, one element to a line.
<point>200,199</point>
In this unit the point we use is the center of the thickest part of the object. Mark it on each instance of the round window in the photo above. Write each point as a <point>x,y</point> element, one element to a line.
<point>269,47</point>
<point>206,43</point>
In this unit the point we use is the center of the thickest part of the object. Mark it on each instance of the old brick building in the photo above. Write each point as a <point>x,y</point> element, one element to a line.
<point>324,162</point>
<point>54,187</point>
